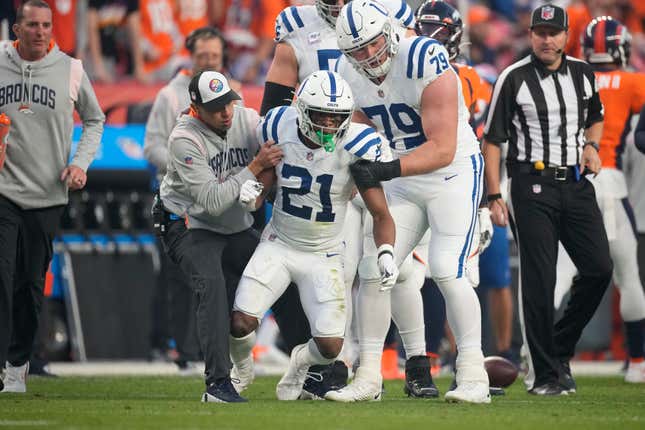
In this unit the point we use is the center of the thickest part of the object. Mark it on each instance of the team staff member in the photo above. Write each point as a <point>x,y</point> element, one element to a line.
<point>211,153</point>
<point>39,89</point>
<point>542,104</point>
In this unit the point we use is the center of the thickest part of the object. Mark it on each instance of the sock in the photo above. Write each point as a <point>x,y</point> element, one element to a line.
<point>634,331</point>
<point>373,313</point>
<point>407,313</point>
<point>240,347</point>
<point>311,356</point>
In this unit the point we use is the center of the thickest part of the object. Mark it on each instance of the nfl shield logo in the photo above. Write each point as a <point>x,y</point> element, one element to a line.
<point>310,156</point>
<point>537,188</point>
<point>547,12</point>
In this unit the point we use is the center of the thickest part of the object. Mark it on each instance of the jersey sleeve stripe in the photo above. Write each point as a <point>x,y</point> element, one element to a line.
<point>350,17</point>
<point>367,146</point>
<point>265,126</point>
<point>422,56</point>
<point>286,22</point>
<point>296,16</point>
<point>409,19</point>
<point>274,127</point>
<point>411,56</point>
<point>332,84</point>
<point>349,145</point>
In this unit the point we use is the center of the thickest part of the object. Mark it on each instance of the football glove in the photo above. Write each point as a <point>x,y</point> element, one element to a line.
<point>249,192</point>
<point>387,266</point>
<point>485,229</point>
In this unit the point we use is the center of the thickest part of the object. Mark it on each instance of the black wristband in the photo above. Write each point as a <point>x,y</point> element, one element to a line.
<point>385,251</point>
<point>493,197</point>
<point>275,95</point>
<point>593,144</point>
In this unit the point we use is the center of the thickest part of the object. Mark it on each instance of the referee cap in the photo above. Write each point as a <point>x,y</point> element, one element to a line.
<point>211,90</point>
<point>550,15</point>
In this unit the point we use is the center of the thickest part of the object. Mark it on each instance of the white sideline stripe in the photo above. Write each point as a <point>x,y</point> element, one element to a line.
<point>141,368</point>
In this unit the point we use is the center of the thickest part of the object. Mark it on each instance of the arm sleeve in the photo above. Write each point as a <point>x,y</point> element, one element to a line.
<point>199,179</point>
<point>595,110</point>
<point>92,118</point>
<point>160,123</point>
<point>498,120</point>
<point>639,132</point>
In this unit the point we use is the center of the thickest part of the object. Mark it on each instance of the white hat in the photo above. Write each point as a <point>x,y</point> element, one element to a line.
<point>211,90</point>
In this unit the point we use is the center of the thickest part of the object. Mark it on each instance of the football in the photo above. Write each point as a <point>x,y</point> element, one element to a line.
<point>501,372</point>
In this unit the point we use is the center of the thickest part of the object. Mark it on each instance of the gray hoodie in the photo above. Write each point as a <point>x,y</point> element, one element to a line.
<point>40,97</point>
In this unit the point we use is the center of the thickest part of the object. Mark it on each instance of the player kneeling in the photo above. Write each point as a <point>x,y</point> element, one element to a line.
<point>303,242</point>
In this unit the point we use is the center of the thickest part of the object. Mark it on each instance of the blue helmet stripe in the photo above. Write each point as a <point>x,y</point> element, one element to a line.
<point>350,18</point>
<point>296,16</point>
<point>286,21</point>
<point>401,11</point>
<point>411,55</point>
<point>274,127</point>
<point>349,145</point>
<point>384,12</point>
<point>409,19</point>
<point>332,84</point>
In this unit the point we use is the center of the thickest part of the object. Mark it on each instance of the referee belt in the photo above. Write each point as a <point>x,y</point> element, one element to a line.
<point>560,174</point>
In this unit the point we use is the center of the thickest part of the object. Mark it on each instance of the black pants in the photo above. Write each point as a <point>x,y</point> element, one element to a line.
<point>545,211</point>
<point>25,253</point>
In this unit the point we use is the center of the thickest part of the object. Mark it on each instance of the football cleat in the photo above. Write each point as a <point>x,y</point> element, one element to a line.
<point>549,389</point>
<point>321,379</point>
<point>469,392</point>
<point>222,392</point>
<point>635,373</point>
<point>418,380</point>
<point>565,379</point>
<point>290,386</point>
<point>362,389</point>
<point>242,374</point>
<point>15,378</point>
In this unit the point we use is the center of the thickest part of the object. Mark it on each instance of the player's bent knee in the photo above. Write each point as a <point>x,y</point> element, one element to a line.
<point>368,268</point>
<point>242,324</point>
<point>329,347</point>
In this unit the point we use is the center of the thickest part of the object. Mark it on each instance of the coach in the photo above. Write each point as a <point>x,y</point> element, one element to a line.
<point>39,89</point>
<point>548,108</point>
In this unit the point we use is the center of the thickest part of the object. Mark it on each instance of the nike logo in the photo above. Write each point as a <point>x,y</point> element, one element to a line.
<point>332,254</point>
<point>447,178</point>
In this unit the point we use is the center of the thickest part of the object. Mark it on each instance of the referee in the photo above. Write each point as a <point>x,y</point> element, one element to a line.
<point>548,109</point>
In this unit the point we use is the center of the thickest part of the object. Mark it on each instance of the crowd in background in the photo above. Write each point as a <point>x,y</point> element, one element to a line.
<point>144,39</point>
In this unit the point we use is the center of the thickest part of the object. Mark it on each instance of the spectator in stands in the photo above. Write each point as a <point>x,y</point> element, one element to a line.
<point>64,24</point>
<point>248,26</point>
<point>161,39</point>
<point>47,85</point>
<point>107,22</point>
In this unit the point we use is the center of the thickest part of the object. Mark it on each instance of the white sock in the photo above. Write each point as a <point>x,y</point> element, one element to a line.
<point>311,355</point>
<point>407,313</point>
<point>373,312</point>
<point>464,316</point>
<point>241,347</point>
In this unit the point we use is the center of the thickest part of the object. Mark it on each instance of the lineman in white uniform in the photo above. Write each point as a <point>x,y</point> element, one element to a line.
<point>303,242</point>
<point>405,86</point>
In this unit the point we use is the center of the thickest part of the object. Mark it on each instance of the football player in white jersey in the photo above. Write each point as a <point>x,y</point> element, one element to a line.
<point>405,87</point>
<point>306,42</point>
<point>303,241</point>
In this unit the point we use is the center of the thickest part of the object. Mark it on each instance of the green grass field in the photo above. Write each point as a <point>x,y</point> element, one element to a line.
<point>173,402</point>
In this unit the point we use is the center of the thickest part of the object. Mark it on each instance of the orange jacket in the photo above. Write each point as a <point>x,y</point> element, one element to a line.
<point>622,95</point>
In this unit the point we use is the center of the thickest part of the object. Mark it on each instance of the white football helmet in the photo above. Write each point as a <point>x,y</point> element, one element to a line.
<point>360,23</point>
<point>329,10</point>
<point>325,105</point>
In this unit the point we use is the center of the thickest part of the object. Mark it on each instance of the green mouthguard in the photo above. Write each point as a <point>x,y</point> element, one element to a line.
<point>326,140</point>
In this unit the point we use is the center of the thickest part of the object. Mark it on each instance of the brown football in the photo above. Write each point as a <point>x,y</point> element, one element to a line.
<point>501,372</point>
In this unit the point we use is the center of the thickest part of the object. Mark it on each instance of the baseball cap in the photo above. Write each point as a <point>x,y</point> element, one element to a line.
<point>550,15</point>
<point>211,90</point>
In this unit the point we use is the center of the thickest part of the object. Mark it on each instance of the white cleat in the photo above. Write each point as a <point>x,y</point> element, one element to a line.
<point>290,386</point>
<point>362,389</point>
<point>469,392</point>
<point>242,374</point>
<point>635,373</point>
<point>15,378</point>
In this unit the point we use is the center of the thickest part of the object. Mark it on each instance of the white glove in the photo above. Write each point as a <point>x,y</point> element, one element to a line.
<point>485,229</point>
<point>387,266</point>
<point>249,192</point>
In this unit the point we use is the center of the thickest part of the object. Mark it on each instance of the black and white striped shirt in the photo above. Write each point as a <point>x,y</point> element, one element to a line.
<point>542,113</point>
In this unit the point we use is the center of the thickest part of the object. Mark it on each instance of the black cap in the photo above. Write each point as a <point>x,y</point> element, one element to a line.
<point>211,90</point>
<point>550,15</point>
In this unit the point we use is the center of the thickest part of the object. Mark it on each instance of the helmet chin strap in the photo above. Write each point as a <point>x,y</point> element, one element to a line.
<point>326,141</point>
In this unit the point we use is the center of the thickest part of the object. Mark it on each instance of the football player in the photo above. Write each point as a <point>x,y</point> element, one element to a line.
<point>606,46</point>
<point>303,243</point>
<point>407,89</point>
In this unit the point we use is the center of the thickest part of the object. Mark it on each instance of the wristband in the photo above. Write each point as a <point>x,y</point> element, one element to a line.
<point>493,197</point>
<point>593,144</point>
<point>386,248</point>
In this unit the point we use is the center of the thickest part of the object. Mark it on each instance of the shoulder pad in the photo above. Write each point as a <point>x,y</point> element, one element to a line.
<point>364,142</point>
